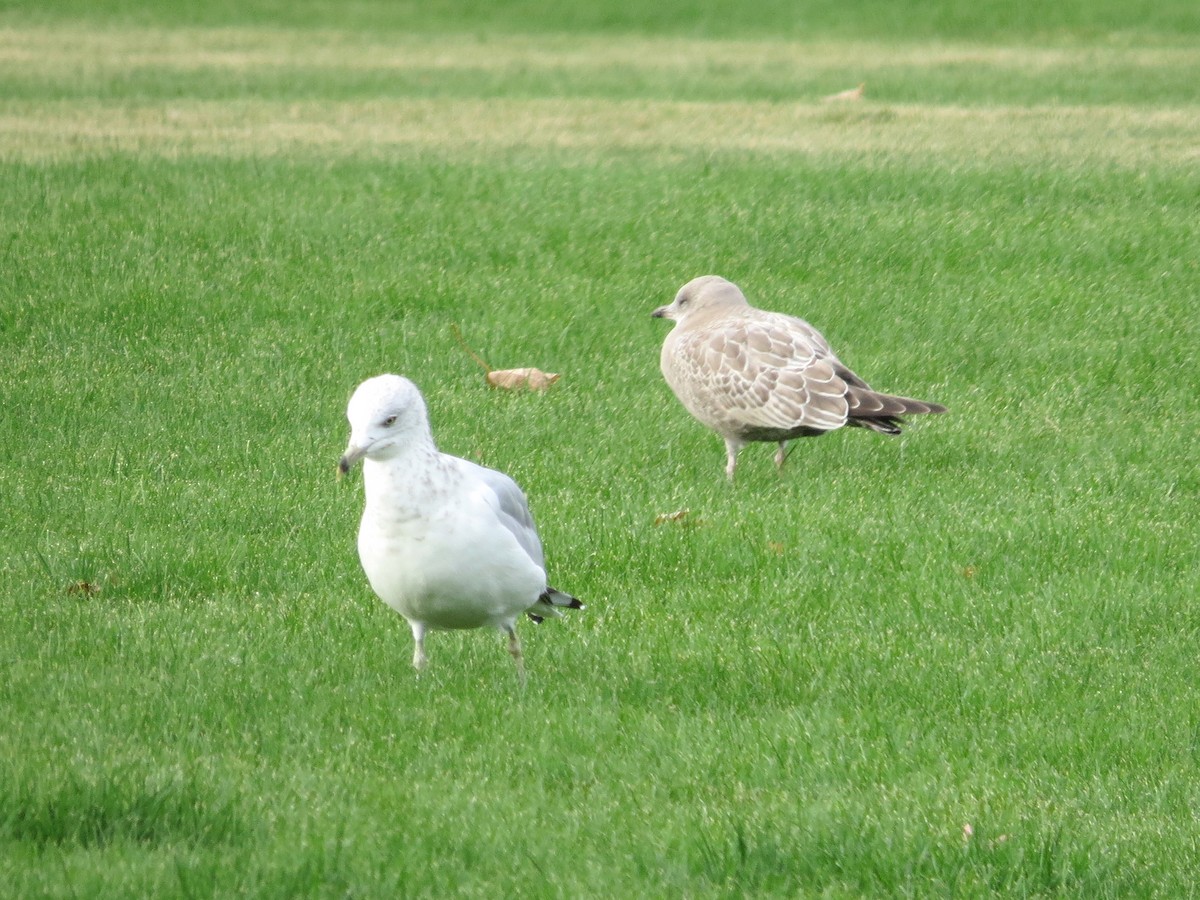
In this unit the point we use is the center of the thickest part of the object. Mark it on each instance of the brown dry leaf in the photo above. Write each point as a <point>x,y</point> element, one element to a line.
<point>851,95</point>
<point>678,516</point>
<point>511,379</point>
<point>83,587</point>
<point>776,547</point>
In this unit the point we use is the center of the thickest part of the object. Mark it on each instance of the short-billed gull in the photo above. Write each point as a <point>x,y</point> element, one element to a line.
<point>443,541</point>
<point>752,375</point>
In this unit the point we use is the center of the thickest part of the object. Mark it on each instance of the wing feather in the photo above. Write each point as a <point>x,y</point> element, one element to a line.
<point>511,507</point>
<point>765,372</point>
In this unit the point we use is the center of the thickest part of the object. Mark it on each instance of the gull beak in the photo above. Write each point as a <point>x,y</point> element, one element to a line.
<point>352,455</point>
<point>661,313</point>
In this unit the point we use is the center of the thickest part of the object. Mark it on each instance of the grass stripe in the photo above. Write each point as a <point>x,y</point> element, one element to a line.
<point>1068,137</point>
<point>69,47</point>
<point>232,63</point>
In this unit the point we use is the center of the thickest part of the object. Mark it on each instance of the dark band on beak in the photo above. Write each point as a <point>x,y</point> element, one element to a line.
<point>352,455</point>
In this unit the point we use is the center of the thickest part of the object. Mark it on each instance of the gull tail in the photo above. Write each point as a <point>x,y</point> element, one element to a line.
<point>549,604</point>
<point>882,412</point>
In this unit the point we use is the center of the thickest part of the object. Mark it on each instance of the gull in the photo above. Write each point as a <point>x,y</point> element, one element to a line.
<point>752,375</point>
<point>444,542</point>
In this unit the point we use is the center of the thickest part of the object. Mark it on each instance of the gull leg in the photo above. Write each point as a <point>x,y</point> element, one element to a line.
<point>781,455</point>
<point>419,657</point>
<point>514,648</point>
<point>731,451</point>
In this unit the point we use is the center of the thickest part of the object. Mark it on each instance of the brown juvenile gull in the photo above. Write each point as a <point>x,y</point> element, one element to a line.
<point>444,542</point>
<point>752,375</point>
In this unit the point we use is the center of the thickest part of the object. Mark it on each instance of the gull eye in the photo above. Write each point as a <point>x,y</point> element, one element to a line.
<point>389,421</point>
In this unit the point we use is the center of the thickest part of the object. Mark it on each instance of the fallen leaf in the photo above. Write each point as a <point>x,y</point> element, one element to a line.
<point>83,587</point>
<point>855,93</point>
<point>511,379</point>
<point>678,516</point>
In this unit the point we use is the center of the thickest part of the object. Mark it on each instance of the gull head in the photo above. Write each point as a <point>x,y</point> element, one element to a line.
<point>386,414</point>
<point>702,295</point>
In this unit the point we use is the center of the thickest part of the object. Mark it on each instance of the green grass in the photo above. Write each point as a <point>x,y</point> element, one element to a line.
<point>990,19</point>
<point>806,686</point>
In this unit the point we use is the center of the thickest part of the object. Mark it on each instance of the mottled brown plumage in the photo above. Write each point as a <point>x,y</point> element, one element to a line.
<point>753,375</point>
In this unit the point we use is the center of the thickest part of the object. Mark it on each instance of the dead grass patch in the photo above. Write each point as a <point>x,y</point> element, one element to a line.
<point>583,127</point>
<point>954,136</point>
<point>67,51</point>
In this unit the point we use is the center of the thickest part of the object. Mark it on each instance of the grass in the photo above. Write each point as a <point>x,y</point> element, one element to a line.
<point>808,685</point>
<point>991,19</point>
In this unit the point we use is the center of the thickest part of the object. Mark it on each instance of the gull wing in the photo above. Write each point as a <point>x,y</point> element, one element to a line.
<point>765,373</point>
<point>510,506</point>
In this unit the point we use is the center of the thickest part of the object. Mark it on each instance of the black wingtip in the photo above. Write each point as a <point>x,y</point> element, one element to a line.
<point>560,599</point>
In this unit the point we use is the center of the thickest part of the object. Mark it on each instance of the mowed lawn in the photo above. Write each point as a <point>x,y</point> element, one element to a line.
<point>958,662</point>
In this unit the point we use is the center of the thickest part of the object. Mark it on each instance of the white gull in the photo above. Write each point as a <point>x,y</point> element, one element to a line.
<point>446,543</point>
